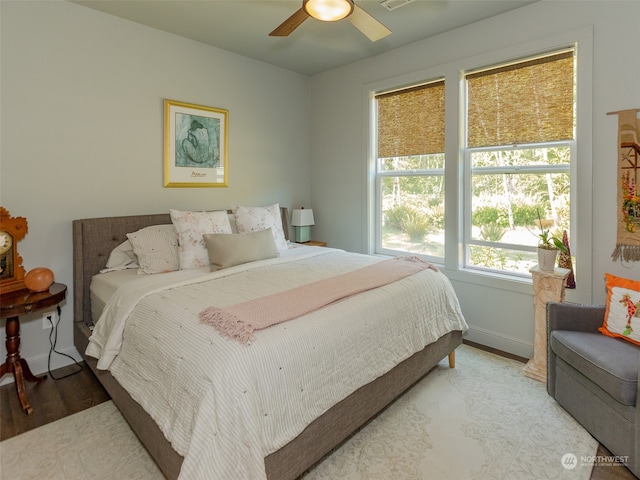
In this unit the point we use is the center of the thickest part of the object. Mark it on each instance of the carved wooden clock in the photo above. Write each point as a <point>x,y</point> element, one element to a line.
<point>12,230</point>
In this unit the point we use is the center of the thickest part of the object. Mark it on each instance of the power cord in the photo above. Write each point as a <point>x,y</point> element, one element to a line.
<point>54,333</point>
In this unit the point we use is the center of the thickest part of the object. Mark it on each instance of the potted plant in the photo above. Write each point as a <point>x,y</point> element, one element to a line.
<point>548,248</point>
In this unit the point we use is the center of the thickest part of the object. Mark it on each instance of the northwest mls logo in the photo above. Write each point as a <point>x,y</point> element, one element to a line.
<point>569,461</point>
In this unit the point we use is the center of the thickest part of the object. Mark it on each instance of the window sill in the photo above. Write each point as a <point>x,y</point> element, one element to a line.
<point>521,285</point>
<point>500,281</point>
<point>491,280</point>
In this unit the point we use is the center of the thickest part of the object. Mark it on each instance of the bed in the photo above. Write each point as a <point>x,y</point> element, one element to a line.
<point>93,242</point>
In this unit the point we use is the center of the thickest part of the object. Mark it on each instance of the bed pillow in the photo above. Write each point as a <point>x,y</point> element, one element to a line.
<point>156,248</point>
<point>192,252</point>
<point>622,316</point>
<point>229,249</point>
<point>254,219</point>
<point>232,222</point>
<point>121,258</point>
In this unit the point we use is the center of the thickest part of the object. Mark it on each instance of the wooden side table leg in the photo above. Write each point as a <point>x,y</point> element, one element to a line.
<point>16,365</point>
<point>26,371</point>
<point>22,395</point>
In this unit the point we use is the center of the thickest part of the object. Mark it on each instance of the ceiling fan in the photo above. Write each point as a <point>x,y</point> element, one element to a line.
<point>331,11</point>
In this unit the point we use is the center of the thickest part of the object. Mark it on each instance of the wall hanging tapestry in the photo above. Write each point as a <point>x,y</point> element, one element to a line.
<point>628,227</point>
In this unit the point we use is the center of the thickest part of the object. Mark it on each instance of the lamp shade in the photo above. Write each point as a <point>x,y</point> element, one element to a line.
<point>302,217</point>
<point>328,10</point>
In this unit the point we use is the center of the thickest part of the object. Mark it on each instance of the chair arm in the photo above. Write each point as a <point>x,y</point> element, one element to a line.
<point>571,316</point>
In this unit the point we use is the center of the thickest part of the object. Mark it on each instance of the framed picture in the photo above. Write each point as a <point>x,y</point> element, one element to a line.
<point>195,145</point>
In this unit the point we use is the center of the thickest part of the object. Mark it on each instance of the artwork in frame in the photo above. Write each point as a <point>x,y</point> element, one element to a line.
<point>195,145</point>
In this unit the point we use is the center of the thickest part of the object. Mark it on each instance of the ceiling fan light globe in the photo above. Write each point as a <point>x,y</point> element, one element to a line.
<point>328,10</point>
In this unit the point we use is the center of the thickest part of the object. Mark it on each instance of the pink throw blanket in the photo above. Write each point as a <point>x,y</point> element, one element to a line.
<point>239,321</point>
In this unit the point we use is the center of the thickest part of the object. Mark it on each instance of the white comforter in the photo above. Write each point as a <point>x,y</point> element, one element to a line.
<point>225,406</point>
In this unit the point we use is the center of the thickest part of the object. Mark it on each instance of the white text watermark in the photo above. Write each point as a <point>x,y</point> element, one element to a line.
<point>571,461</point>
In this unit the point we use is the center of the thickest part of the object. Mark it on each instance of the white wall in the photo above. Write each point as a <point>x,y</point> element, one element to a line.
<point>499,317</point>
<point>82,131</point>
<point>81,113</point>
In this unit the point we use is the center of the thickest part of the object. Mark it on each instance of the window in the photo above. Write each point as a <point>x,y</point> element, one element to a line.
<point>502,135</point>
<point>410,170</point>
<point>520,123</point>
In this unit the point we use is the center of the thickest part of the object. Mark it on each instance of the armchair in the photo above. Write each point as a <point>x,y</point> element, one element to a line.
<point>595,378</point>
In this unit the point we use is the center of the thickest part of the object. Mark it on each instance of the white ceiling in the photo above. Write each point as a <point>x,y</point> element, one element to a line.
<point>243,26</point>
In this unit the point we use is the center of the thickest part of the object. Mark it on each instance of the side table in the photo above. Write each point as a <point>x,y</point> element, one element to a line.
<point>315,243</point>
<point>12,305</point>
<point>547,287</point>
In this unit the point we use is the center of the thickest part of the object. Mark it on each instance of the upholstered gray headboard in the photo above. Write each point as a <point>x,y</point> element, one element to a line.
<point>93,241</point>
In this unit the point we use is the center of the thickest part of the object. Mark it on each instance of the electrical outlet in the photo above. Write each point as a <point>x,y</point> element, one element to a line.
<point>46,323</point>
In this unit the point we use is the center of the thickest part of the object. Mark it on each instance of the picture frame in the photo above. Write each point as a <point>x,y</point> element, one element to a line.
<point>195,145</point>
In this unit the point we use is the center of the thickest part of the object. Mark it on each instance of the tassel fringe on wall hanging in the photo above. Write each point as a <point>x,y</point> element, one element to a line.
<point>628,224</point>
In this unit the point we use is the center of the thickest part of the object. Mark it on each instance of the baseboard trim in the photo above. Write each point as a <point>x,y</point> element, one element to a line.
<point>500,342</point>
<point>495,351</point>
<point>40,365</point>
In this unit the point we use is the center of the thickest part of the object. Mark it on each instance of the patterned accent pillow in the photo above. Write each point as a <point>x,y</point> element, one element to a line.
<point>192,251</point>
<point>156,248</point>
<point>254,219</point>
<point>622,316</point>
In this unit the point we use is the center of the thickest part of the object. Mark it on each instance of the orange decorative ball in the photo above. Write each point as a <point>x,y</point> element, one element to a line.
<point>38,279</point>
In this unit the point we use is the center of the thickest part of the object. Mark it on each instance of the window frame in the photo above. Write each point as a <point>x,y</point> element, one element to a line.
<point>468,197</point>
<point>453,72</point>
<point>380,175</point>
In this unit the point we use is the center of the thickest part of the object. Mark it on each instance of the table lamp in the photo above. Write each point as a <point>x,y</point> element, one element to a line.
<point>301,220</point>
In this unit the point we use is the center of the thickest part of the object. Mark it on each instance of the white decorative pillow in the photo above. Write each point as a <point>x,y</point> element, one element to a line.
<point>156,248</point>
<point>226,250</point>
<point>121,258</point>
<point>192,251</point>
<point>254,219</point>
<point>622,316</point>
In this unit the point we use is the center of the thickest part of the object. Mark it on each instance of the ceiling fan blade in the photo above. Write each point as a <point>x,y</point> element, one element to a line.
<point>368,25</point>
<point>290,24</point>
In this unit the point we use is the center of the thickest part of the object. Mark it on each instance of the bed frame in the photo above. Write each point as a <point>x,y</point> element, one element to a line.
<point>93,240</point>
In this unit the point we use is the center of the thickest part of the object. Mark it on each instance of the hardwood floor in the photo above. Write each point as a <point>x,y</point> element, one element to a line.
<point>55,399</point>
<point>51,400</point>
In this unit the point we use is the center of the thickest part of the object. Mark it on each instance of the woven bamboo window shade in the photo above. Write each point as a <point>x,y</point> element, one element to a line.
<point>411,121</point>
<point>527,102</point>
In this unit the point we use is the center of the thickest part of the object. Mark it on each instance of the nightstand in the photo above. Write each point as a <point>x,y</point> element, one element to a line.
<point>314,243</point>
<point>12,305</point>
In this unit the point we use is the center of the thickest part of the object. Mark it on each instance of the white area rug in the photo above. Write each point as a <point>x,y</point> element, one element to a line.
<point>483,420</point>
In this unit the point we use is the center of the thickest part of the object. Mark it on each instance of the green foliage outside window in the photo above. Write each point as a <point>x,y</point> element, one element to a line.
<point>508,188</point>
